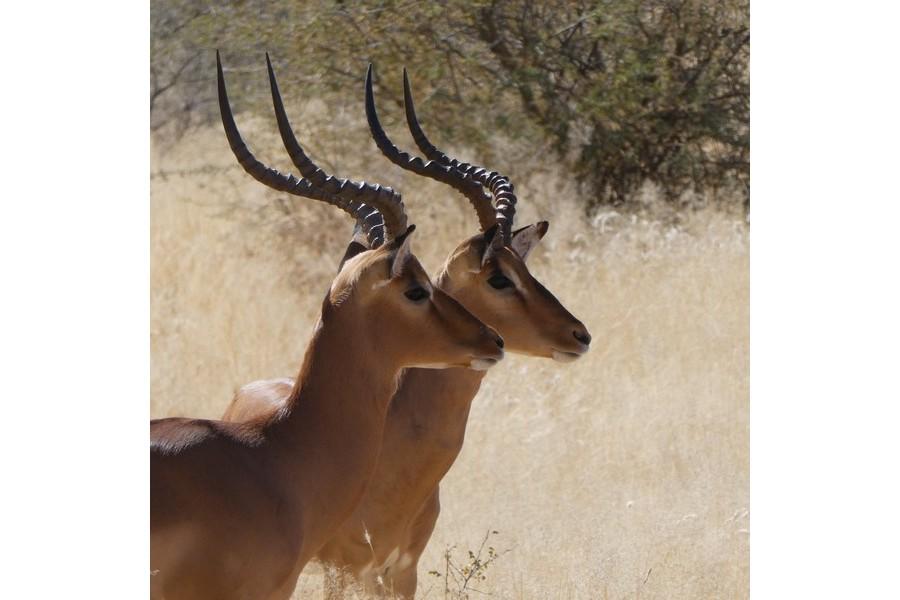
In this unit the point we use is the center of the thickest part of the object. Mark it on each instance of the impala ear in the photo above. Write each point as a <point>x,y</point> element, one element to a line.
<point>492,243</point>
<point>403,252</point>
<point>525,239</point>
<point>357,245</point>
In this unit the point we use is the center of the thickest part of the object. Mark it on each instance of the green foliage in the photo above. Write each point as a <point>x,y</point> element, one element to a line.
<point>621,91</point>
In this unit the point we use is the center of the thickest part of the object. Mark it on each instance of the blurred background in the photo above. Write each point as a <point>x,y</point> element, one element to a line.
<point>625,124</point>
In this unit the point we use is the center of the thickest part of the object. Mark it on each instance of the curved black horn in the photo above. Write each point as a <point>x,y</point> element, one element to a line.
<point>350,195</point>
<point>499,185</point>
<point>388,203</point>
<point>467,186</point>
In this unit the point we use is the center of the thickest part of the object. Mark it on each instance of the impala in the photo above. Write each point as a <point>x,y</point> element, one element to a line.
<point>381,543</point>
<point>237,509</point>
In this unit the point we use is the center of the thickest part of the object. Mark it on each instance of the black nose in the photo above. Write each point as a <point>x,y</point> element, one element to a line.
<point>582,336</point>
<point>499,341</point>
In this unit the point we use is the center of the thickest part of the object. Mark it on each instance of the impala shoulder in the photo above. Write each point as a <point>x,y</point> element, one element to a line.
<point>170,436</point>
<point>175,435</point>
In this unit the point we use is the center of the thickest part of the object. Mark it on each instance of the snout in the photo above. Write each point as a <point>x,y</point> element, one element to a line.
<point>491,352</point>
<point>579,344</point>
<point>582,334</point>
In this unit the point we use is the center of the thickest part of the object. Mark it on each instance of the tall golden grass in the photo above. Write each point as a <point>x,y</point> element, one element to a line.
<point>624,475</point>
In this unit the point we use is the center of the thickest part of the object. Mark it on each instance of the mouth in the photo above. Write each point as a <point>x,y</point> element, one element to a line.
<point>484,363</point>
<point>567,356</point>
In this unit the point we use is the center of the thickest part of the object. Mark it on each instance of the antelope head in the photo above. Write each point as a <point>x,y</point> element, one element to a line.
<point>382,295</point>
<point>407,315</point>
<point>487,273</point>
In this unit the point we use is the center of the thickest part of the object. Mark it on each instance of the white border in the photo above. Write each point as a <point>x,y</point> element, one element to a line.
<point>74,306</point>
<point>824,325</point>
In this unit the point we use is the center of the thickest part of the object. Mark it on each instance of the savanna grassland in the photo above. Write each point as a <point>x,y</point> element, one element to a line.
<point>623,475</point>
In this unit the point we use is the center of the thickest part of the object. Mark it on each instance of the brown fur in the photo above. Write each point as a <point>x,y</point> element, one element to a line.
<point>426,422</point>
<point>237,509</point>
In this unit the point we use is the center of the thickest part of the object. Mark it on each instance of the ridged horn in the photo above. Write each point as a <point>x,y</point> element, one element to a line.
<point>467,186</point>
<point>386,202</point>
<point>500,186</point>
<point>360,200</point>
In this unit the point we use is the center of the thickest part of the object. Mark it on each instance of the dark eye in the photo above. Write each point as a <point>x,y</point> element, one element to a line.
<point>417,294</point>
<point>499,281</point>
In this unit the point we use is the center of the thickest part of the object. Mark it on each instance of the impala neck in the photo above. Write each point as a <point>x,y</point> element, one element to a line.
<point>345,375</point>
<point>423,436</point>
<point>330,430</point>
<point>435,404</point>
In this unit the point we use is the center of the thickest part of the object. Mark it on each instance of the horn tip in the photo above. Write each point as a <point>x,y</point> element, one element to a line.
<point>407,89</point>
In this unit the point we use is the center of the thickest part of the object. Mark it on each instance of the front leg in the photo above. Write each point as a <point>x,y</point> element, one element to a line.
<point>404,581</point>
<point>404,574</point>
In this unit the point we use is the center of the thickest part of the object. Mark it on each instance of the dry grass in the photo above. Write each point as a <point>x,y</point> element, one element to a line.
<point>625,475</point>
